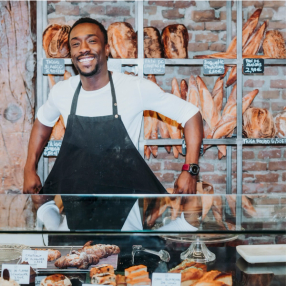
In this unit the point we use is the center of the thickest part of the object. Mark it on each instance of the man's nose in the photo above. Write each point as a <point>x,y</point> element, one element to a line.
<point>84,47</point>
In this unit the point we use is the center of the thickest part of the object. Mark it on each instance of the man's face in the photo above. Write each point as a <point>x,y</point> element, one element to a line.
<point>88,51</point>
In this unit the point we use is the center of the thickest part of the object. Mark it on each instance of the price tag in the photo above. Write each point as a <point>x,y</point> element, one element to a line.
<point>213,67</point>
<point>154,66</point>
<point>251,66</point>
<point>265,141</point>
<point>53,148</point>
<point>54,66</point>
<point>166,279</point>
<point>35,258</point>
<point>114,65</point>
<point>19,273</point>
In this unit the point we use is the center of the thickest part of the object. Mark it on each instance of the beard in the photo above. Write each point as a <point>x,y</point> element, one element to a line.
<point>91,73</point>
<point>96,70</point>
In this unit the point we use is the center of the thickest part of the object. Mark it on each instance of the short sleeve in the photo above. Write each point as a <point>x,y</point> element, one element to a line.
<point>48,113</point>
<point>154,98</point>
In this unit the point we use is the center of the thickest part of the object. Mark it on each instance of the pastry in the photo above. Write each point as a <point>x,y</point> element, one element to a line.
<point>52,253</point>
<point>137,276</point>
<point>80,260</point>
<point>134,269</point>
<point>120,280</point>
<point>100,250</point>
<point>56,280</point>
<point>32,273</point>
<point>6,280</point>
<point>122,41</point>
<point>145,281</point>
<point>103,278</point>
<point>103,268</point>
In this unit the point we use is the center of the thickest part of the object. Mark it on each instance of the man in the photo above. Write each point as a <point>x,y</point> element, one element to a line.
<point>103,113</point>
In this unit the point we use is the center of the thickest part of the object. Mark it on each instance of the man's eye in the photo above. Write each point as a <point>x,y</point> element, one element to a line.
<point>74,45</point>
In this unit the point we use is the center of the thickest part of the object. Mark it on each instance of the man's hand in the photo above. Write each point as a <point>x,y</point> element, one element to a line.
<point>39,137</point>
<point>32,182</point>
<point>185,184</point>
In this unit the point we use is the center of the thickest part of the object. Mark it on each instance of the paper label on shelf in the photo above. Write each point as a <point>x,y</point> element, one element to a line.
<point>35,258</point>
<point>53,148</point>
<point>166,279</point>
<point>251,66</point>
<point>54,66</point>
<point>19,273</point>
<point>265,141</point>
<point>154,66</point>
<point>114,65</point>
<point>213,67</point>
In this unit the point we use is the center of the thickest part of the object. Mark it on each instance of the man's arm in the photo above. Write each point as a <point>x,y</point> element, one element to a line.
<point>39,137</point>
<point>186,183</point>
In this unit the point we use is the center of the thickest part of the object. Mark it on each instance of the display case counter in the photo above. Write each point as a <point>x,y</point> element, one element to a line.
<point>162,232</point>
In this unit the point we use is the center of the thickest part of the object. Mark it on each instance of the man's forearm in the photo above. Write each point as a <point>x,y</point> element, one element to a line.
<point>193,136</point>
<point>39,137</point>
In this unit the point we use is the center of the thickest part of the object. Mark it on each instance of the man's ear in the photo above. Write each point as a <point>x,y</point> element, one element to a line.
<point>107,50</point>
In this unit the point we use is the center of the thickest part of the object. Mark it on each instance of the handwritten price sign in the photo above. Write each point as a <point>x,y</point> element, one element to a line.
<point>19,273</point>
<point>166,279</point>
<point>35,258</point>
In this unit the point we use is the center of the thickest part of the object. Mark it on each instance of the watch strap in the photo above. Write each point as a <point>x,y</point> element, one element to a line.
<point>186,167</point>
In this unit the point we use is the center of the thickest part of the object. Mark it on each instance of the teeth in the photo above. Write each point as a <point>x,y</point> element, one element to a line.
<point>86,60</point>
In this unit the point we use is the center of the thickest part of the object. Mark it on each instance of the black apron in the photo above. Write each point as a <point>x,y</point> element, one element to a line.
<point>97,156</point>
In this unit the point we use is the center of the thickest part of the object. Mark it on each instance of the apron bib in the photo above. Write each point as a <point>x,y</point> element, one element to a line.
<point>97,156</point>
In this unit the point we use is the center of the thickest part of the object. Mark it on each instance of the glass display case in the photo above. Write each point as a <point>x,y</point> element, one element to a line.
<point>160,232</point>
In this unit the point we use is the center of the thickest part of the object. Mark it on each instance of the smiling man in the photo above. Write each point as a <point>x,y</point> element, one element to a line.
<point>103,114</point>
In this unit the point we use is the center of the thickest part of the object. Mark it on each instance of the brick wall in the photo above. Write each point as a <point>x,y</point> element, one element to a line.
<point>264,169</point>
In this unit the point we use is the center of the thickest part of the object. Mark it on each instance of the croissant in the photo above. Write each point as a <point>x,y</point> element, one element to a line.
<point>53,254</point>
<point>80,260</point>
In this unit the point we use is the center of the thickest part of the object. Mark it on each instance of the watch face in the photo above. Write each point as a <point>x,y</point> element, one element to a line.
<point>194,169</point>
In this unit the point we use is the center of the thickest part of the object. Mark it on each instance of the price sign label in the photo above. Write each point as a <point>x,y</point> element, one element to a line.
<point>19,273</point>
<point>35,258</point>
<point>166,279</point>
<point>154,66</point>
<point>54,66</point>
<point>213,67</point>
<point>114,65</point>
<point>251,66</point>
<point>265,141</point>
<point>53,148</point>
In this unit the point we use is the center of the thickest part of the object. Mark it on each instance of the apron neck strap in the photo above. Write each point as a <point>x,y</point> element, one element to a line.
<point>114,103</point>
<point>77,91</point>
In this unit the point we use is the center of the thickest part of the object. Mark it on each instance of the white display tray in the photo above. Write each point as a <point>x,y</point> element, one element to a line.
<point>263,253</point>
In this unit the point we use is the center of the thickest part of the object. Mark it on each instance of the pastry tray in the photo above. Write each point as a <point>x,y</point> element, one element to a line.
<point>265,253</point>
<point>261,268</point>
<point>64,250</point>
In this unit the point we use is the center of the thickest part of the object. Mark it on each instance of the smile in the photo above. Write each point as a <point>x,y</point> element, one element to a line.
<point>84,60</point>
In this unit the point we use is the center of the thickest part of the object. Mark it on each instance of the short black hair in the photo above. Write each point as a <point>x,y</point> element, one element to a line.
<point>92,21</point>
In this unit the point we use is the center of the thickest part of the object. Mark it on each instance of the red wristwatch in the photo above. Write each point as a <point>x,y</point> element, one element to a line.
<point>193,169</point>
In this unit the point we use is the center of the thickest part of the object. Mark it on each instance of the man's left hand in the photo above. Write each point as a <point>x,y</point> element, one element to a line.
<point>185,184</point>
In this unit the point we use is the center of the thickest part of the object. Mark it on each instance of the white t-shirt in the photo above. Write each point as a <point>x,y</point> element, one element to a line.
<point>133,94</point>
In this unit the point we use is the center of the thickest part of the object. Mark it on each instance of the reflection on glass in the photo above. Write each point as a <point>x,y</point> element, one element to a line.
<point>191,213</point>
